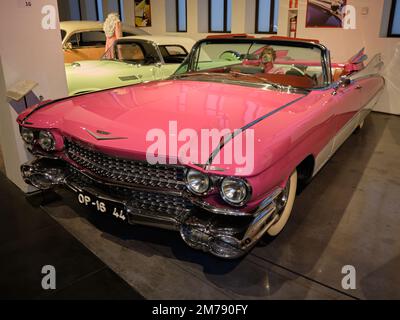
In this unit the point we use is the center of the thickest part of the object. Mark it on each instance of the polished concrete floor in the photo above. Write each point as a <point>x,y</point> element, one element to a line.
<point>348,215</point>
<point>30,239</point>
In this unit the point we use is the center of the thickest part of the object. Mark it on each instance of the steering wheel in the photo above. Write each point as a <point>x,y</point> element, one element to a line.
<point>230,55</point>
<point>297,69</point>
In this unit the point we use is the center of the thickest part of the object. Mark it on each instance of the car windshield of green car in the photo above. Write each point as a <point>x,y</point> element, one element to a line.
<point>140,53</point>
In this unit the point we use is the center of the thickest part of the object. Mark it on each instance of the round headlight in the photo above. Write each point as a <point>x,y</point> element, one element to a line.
<point>197,182</point>
<point>46,141</point>
<point>27,135</point>
<point>234,191</point>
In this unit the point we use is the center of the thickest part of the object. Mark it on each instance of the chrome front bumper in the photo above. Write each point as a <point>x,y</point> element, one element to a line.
<point>226,236</point>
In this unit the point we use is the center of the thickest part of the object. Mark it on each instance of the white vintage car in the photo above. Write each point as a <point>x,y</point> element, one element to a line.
<point>85,40</point>
<point>130,60</point>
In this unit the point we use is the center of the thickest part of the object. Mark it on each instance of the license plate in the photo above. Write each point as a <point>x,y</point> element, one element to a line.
<point>102,206</point>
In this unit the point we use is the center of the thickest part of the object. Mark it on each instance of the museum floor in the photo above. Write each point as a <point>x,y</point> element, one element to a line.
<point>348,215</point>
<point>30,239</point>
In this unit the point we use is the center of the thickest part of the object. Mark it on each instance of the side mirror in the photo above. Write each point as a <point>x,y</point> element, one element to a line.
<point>68,46</point>
<point>342,83</point>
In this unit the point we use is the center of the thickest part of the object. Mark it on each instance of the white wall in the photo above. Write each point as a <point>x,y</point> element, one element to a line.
<point>28,52</point>
<point>197,20</point>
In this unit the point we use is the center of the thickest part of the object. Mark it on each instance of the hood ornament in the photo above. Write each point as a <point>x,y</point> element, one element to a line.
<point>103,135</point>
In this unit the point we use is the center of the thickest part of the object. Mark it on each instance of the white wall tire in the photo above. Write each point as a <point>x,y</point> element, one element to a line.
<point>278,226</point>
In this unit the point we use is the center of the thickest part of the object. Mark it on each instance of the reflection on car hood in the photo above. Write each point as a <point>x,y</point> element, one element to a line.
<point>132,111</point>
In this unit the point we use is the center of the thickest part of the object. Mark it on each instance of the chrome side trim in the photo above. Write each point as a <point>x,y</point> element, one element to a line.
<point>344,133</point>
<point>260,223</point>
<point>249,125</point>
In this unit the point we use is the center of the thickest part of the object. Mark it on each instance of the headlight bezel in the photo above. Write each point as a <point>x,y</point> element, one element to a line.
<point>244,183</point>
<point>31,131</point>
<point>189,186</point>
<point>47,135</point>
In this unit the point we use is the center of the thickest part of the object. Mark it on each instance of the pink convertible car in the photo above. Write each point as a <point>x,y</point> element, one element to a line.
<point>216,151</point>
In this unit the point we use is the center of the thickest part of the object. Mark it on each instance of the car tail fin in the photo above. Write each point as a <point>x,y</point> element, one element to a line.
<point>356,62</point>
<point>373,67</point>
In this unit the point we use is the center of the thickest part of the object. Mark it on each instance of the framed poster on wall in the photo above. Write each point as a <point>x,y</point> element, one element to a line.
<point>325,13</point>
<point>142,13</point>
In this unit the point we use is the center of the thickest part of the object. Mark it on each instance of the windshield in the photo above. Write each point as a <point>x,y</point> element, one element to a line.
<point>286,64</point>
<point>137,52</point>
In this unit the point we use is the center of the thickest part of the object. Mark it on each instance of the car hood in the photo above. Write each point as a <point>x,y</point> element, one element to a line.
<point>136,115</point>
<point>93,75</point>
<point>93,66</point>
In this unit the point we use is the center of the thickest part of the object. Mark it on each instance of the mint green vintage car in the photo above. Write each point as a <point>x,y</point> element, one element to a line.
<point>130,60</point>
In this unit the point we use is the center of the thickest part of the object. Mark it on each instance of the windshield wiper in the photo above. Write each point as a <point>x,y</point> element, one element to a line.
<point>273,84</point>
<point>184,75</point>
<point>264,81</point>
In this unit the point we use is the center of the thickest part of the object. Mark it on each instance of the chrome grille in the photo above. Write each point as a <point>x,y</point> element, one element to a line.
<point>146,203</point>
<point>138,173</point>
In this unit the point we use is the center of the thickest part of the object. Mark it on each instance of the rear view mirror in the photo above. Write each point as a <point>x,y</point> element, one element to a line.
<point>68,46</point>
<point>342,83</point>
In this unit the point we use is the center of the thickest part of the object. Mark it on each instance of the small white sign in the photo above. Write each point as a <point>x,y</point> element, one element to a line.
<point>20,89</point>
<point>25,3</point>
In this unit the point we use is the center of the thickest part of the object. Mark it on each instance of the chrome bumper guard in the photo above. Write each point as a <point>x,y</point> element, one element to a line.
<point>225,236</point>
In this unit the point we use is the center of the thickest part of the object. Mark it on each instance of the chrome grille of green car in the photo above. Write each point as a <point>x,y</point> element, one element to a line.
<point>119,170</point>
